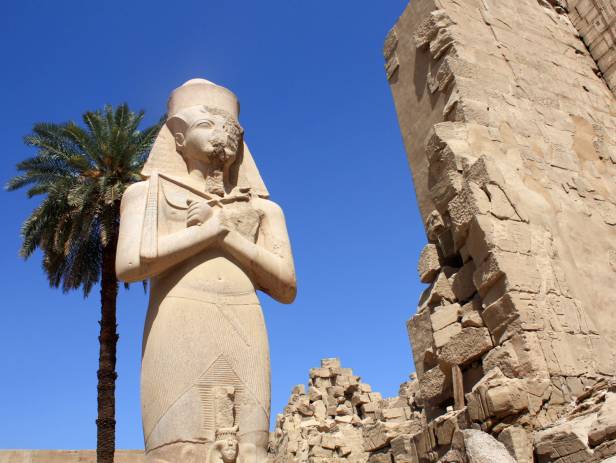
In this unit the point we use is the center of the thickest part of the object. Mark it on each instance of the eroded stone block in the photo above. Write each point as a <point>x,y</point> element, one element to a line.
<point>466,346</point>
<point>429,264</point>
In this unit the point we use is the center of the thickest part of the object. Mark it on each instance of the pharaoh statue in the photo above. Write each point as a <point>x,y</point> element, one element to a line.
<point>202,229</point>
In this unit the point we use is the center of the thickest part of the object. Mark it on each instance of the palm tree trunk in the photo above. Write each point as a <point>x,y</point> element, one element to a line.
<point>108,339</point>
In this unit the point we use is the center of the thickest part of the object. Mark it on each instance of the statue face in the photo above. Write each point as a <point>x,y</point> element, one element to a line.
<point>209,137</point>
<point>229,451</point>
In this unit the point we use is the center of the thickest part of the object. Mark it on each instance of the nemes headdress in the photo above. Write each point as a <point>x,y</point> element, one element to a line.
<point>164,157</point>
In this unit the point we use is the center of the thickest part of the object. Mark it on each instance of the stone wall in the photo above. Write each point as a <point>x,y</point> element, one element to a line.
<point>509,127</point>
<point>511,141</point>
<point>67,456</point>
<point>595,21</point>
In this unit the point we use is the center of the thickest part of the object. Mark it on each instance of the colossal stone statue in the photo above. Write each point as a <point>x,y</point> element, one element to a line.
<point>202,229</point>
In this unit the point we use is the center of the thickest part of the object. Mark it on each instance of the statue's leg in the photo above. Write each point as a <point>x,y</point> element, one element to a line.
<point>253,404</point>
<point>177,354</point>
<point>260,440</point>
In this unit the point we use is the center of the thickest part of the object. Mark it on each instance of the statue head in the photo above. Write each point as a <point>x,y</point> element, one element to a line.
<point>206,134</point>
<point>183,138</point>
<point>226,445</point>
<point>229,450</point>
<point>203,120</point>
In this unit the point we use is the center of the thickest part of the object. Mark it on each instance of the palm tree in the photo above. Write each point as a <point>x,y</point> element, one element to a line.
<point>82,173</point>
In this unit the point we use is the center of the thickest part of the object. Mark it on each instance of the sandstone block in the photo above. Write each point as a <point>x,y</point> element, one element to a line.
<point>444,315</point>
<point>305,409</point>
<point>470,202</point>
<point>435,386</point>
<point>314,439</point>
<point>503,357</point>
<point>565,442</point>
<point>363,387</point>
<point>320,373</point>
<point>314,394</point>
<point>510,314</point>
<point>440,292</point>
<point>403,450</point>
<point>380,458</point>
<point>605,426</point>
<point>446,188</point>
<point>434,226</point>
<point>507,399</point>
<point>320,383</point>
<point>309,423</point>
<point>371,407</point>
<point>419,329</point>
<point>500,206</point>
<point>520,271</point>
<point>330,363</point>
<point>376,437</point>
<point>341,371</point>
<point>320,410</point>
<point>481,447</point>
<point>393,413</point>
<point>444,335</point>
<point>446,425</point>
<point>345,419</point>
<point>328,442</point>
<point>428,265</point>
<point>497,395</point>
<point>466,346</point>
<point>360,399</point>
<point>335,391</point>
<point>299,389</point>
<point>462,282</point>
<point>487,235</point>
<point>518,444</point>
<point>318,451</point>
<point>344,409</point>
<point>471,314</point>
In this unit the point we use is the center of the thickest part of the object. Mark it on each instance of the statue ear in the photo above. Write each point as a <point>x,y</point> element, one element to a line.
<point>179,140</point>
<point>177,126</point>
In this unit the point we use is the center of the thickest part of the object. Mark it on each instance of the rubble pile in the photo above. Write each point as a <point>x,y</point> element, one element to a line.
<point>340,418</point>
<point>586,433</point>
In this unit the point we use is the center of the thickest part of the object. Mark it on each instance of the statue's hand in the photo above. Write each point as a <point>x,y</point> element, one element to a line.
<point>197,213</point>
<point>216,226</point>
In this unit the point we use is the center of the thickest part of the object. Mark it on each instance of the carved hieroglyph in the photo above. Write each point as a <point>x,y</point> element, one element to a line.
<point>202,229</point>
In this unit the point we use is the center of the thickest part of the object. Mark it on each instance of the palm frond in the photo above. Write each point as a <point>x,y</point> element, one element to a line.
<point>82,173</point>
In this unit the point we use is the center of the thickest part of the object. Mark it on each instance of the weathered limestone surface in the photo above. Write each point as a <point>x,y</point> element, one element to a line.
<point>509,126</point>
<point>595,20</point>
<point>67,456</point>
<point>511,140</point>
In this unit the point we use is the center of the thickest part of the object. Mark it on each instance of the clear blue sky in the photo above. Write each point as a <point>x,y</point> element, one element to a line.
<point>320,121</point>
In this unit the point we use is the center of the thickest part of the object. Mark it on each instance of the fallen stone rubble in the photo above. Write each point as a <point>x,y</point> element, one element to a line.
<point>338,418</point>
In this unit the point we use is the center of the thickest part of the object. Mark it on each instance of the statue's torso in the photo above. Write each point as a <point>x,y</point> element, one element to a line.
<point>208,273</point>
